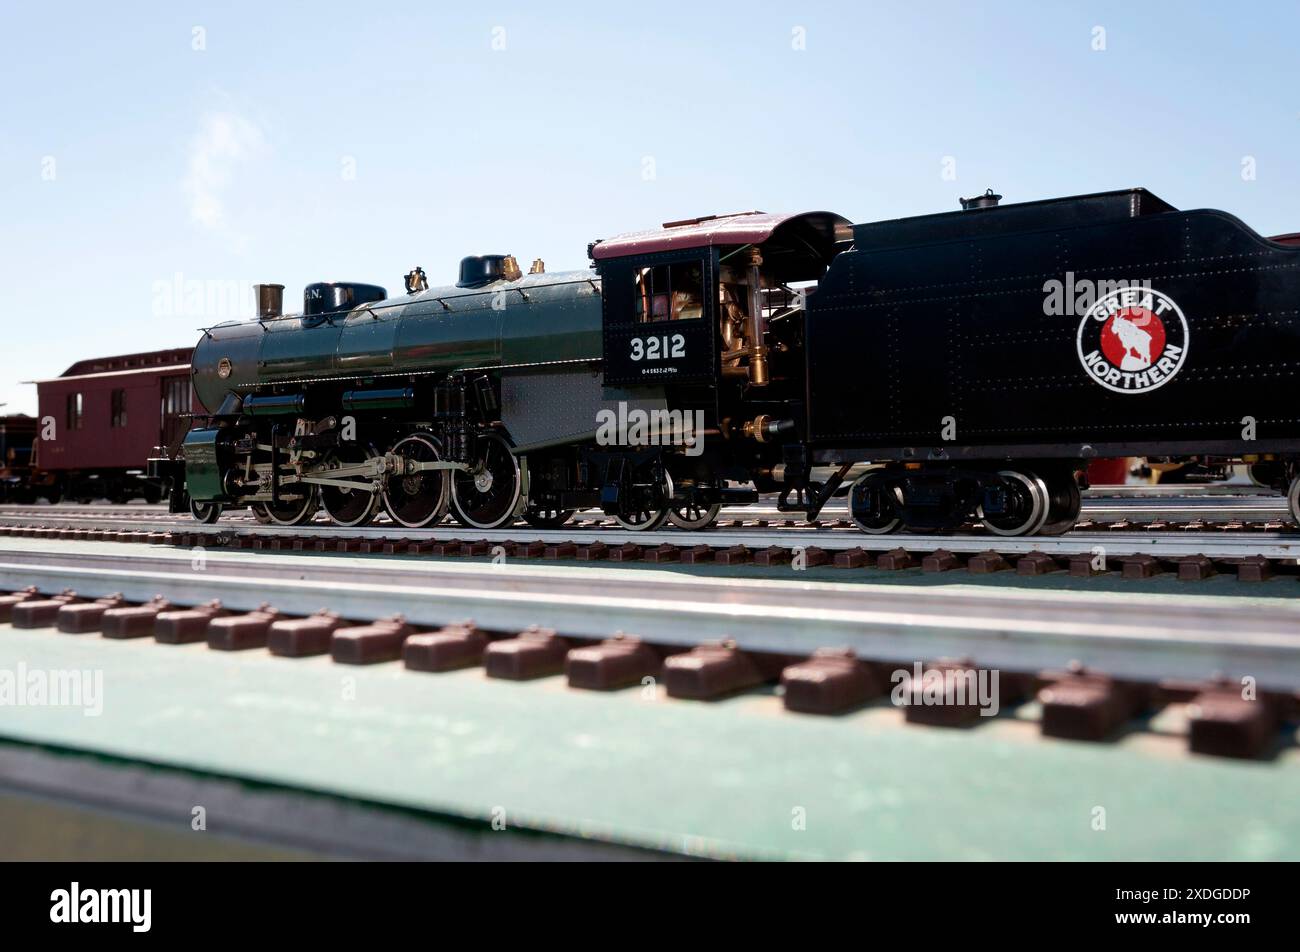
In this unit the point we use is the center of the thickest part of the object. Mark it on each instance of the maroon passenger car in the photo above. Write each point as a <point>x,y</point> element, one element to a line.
<point>101,420</point>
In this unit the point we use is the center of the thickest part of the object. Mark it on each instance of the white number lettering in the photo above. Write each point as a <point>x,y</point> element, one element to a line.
<point>659,348</point>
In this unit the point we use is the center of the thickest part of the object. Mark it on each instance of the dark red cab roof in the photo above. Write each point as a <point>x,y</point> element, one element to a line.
<point>743,228</point>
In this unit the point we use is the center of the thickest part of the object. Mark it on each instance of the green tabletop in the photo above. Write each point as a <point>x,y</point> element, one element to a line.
<point>740,777</point>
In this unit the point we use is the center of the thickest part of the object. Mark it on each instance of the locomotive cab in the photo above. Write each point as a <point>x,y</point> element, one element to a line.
<point>695,301</point>
<point>709,313</point>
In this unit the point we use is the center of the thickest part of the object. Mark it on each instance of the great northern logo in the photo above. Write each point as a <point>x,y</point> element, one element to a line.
<point>1133,340</point>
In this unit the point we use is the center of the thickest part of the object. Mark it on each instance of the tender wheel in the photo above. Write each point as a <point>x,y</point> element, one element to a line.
<point>1064,503</point>
<point>1027,506</point>
<point>1267,474</point>
<point>645,514</point>
<point>297,510</point>
<point>419,499</point>
<point>694,516</point>
<point>1293,499</point>
<point>205,512</point>
<point>487,497</point>
<point>547,517</point>
<point>348,507</point>
<point>874,504</point>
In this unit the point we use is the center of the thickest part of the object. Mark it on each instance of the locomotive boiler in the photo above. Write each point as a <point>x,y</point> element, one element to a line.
<point>933,368</point>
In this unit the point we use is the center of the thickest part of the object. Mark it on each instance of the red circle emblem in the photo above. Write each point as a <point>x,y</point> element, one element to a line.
<point>1133,339</point>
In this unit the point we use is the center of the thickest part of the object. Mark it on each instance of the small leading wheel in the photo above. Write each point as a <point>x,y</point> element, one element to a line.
<point>547,517</point>
<point>487,496</point>
<point>297,507</point>
<point>348,507</point>
<point>205,512</point>
<point>874,504</point>
<point>694,516</point>
<point>417,499</point>
<point>647,510</point>
<point>1026,506</point>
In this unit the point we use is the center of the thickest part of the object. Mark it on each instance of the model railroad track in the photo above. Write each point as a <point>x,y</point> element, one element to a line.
<point>1114,509</point>
<point>1140,553</point>
<point>1093,665</point>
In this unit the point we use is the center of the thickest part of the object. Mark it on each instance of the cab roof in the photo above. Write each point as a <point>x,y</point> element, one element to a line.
<point>741,228</point>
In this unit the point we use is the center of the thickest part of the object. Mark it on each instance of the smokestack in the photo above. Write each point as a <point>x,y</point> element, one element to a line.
<point>270,300</point>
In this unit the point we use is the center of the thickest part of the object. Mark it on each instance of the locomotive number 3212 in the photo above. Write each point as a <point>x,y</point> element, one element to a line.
<point>659,348</point>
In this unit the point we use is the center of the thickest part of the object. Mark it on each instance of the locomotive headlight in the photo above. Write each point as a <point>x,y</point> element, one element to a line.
<point>224,367</point>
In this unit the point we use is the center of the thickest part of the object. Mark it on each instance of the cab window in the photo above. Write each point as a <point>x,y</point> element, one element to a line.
<point>670,292</point>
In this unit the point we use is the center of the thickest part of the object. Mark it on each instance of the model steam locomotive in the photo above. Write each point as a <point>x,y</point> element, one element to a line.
<point>930,367</point>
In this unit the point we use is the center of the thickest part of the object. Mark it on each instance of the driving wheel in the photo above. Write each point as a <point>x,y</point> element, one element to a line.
<point>487,495</point>
<point>416,499</point>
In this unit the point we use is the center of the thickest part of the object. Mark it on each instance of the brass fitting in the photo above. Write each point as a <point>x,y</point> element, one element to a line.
<point>758,375</point>
<point>756,429</point>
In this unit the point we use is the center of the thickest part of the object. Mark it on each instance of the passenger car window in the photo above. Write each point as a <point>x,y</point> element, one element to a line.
<point>118,409</point>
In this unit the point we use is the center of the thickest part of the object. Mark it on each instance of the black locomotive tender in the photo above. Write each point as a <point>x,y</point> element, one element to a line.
<point>911,363</point>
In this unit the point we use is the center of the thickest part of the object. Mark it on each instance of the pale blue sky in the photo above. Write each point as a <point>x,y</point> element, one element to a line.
<point>351,141</point>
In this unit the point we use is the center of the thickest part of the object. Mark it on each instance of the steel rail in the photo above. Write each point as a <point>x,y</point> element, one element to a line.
<point>1218,509</point>
<point>1148,638</point>
<point>1135,541</point>
<point>1181,514</point>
